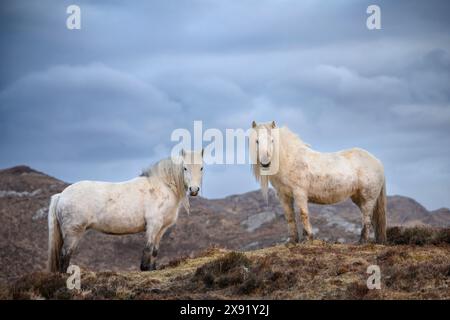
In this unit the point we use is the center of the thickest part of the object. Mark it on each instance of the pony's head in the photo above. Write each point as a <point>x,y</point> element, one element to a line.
<point>262,140</point>
<point>264,145</point>
<point>192,166</point>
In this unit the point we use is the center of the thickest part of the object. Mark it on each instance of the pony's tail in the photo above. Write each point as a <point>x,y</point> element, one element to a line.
<point>379,216</point>
<point>54,236</point>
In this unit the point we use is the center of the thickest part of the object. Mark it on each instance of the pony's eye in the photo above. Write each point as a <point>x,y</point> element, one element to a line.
<point>185,169</point>
<point>201,169</point>
<point>257,141</point>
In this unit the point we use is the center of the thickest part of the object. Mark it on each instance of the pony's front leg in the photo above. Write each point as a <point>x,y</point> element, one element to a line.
<point>149,253</point>
<point>157,242</point>
<point>288,207</point>
<point>147,262</point>
<point>302,203</point>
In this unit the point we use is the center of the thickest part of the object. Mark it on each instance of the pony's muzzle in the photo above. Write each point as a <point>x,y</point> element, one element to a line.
<point>265,165</point>
<point>193,191</point>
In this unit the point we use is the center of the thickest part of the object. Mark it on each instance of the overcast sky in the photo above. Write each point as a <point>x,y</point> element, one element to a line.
<point>101,102</point>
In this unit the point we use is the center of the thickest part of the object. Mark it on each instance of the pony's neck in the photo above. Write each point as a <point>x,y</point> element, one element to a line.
<point>289,142</point>
<point>171,174</point>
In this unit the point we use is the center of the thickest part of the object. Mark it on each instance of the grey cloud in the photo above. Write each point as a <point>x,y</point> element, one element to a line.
<point>86,112</point>
<point>107,97</point>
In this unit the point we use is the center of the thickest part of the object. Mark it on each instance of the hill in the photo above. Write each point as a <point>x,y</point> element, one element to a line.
<point>238,222</point>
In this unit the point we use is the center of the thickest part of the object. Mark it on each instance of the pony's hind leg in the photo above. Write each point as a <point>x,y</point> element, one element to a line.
<point>307,229</point>
<point>71,241</point>
<point>366,208</point>
<point>288,207</point>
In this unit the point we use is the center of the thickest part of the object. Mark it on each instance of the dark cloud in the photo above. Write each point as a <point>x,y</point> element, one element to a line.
<point>101,102</point>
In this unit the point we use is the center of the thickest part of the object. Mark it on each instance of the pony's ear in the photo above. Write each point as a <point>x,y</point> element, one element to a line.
<point>203,151</point>
<point>254,124</point>
<point>273,124</point>
<point>182,153</point>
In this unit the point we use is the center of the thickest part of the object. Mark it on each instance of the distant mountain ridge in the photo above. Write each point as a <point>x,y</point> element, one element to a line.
<point>242,222</point>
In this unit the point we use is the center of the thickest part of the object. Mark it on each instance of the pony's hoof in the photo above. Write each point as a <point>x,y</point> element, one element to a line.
<point>144,268</point>
<point>290,241</point>
<point>363,241</point>
<point>307,239</point>
<point>148,267</point>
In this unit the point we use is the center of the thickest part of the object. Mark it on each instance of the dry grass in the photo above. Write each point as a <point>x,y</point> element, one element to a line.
<point>418,235</point>
<point>316,270</point>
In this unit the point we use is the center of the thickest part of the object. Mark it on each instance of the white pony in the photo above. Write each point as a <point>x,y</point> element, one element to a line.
<point>303,175</point>
<point>147,203</point>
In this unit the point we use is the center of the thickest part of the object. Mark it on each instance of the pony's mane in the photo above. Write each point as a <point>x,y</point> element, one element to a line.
<point>287,140</point>
<point>172,174</point>
<point>290,138</point>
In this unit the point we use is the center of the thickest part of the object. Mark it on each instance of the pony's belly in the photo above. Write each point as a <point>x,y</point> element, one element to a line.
<point>332,186</point>
<point>118,230</point>
<point>327,199</point>
<point>119,224</point>
<point>330,197</point>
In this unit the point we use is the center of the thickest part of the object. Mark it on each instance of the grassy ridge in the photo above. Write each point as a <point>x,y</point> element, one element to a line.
<point>416,265</point>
